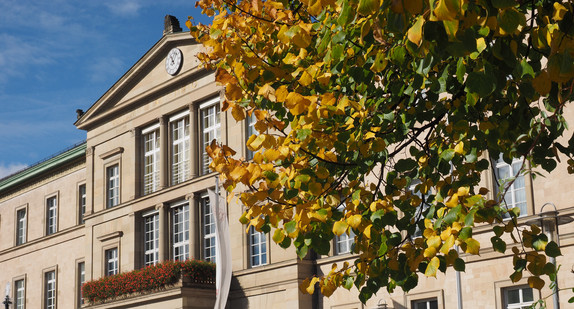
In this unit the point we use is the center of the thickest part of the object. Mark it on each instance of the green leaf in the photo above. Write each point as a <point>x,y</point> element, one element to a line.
<point>301,251</point>
<point>526,69</point>
<point>498,244</point>
<point>447,155</point>
<point>452,215</point>
<point>539,242</point>
<point>465,233</point>
<point>367,7</point>
<point>459,265</point>
<point>404,165</point>
<point>552,249</point>
<point>290,227</point>
<point>460,70</point>
<point>498,230</point>
<point>480,83</point>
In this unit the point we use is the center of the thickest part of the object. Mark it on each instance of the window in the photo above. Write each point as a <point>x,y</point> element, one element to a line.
<point>113,185</point>
<point>208,224</point>
<point>250,130</point>
<point>80,282</point>
<point>257,247</point>
<point>21,226</point>
<point>515,195</point>
<point>425,304</point>
<point>210,127</point>
<point>20,294</point>
<point>50,290</point>
<point>344,243</point>
<point>112,263</point>
<point>518,298</point>
<point>151,239</point>
<point>180,163</point>
<point>180,231</point>
<point>51,215</point>
<point>151,158</point>
<point>81,203</point>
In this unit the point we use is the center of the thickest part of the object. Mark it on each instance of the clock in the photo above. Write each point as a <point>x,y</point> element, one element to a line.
<point>173,61</point>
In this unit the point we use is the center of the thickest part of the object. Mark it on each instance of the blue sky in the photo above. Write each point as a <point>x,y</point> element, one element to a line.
<point>61,55</point>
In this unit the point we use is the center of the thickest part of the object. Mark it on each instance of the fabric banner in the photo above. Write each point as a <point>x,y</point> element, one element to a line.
<point>223,249</point>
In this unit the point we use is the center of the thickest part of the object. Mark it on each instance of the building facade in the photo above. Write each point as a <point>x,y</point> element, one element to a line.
<point>135,194</point>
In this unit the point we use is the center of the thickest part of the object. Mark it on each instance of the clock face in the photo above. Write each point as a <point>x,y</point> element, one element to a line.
<point>173,61</point>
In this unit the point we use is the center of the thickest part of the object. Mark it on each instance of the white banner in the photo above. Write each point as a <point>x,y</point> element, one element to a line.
<point>223,249</point>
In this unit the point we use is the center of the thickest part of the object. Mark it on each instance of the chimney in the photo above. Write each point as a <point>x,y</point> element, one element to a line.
<point>170,25</point>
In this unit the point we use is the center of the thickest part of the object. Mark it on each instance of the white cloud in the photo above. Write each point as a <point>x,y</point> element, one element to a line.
<point>10,168</point>
<point>124,8</point>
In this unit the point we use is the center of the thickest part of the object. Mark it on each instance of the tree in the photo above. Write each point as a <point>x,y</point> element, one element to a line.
<point>381,117</point>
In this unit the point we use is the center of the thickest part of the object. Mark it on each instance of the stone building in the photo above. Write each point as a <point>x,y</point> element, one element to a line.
<point>134,194</point>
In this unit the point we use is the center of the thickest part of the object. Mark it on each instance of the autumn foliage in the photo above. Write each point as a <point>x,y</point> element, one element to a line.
<point>382,117</point>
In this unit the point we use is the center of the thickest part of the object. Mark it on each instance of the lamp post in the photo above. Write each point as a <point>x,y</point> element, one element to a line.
<point>7,301</point>
<point>549,221</point>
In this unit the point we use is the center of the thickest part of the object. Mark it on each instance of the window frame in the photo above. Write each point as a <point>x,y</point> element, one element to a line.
<point>154,240</point>
<point>180,250</point>
<point>499,163</point>
<point>24,229</point>
<point>15,296</point>
<point>180,170</point>
<point>521,302</point>
<point>113,192</point>
<point>250,130</point>
<point>204,159</point>
<point>208,234</point>
<point>46,290</point>
<point>347,239</point>
<point>80,280</point>
<point>154,153</point>
<point>51,212</point>
<point>81,202</point>
<point>426,301</point>
<point>111,259</point>
<point>258,249</point>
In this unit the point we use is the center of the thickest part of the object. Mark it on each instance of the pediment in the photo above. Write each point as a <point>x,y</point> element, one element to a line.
<point>146,80</point>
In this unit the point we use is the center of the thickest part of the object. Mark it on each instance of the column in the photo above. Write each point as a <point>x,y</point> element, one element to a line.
<point>194,226</point>
<point>138,169</point>
<point>163,232</point>
<point>193,142</point>
<point>163,156</point>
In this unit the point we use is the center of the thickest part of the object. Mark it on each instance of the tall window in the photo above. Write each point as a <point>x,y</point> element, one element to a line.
<point>180,164</point>
<point>210,129</point>
<point>113,185</point>
<point>20,294</point>
<point>81,279</point>
<point>425,304</point>
<point>250,128</point>
<point>257,247</point>
<point>344,243</point>
<point>208,224</point>
<point>50,290</point>
<point>81,203</point>
<point>151,158</point>
<point>112,261</point>
<point>518,298</point>
<point>180,231</point>
<point>21,226</point>
<point>151,239</point>
<point>51,215</point>
<point>515,195</point>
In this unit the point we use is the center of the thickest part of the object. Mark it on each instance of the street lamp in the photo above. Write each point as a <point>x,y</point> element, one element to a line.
<point>381,306</point>
<point>549,221</point>
<point>7,301</point>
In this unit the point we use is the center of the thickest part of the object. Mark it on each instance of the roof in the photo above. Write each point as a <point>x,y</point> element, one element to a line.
<point>68,155</point>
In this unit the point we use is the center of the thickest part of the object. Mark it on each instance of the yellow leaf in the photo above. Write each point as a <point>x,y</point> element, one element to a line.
<point>305,79</point>
<point>238,112</point>
<point>233,92</point>
<point>354,221</point>
<point>268,92</point>
<point>453,201</point>
<point>271,154</point>
<point>367,231</point>
<point>255,142</point>
<point>415,33</point>
<point>238,172</point>
<point>472,246</point>
<point>296,103</point>
<point>459,148</point>
<point>443,11</point>
<point>536,283</point>
<point>448,243</point>
<point>559,11</point>
<point>429,252</point>
<point>463,191</point>
<point>340,227</point>
<point>434,241</point>
<point>432,267</point>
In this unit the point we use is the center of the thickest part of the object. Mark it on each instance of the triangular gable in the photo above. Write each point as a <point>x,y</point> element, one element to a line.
<point>145,78</point>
